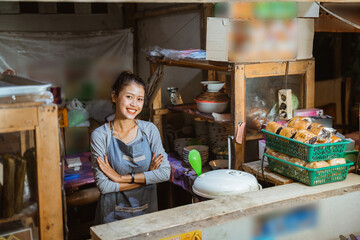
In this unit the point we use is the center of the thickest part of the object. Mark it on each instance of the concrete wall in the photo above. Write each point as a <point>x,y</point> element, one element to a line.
<point>176,31</point>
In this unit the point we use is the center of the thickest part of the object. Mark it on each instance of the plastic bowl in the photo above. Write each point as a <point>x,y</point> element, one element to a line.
<point>213,86</point>
<point>219,164</point>
<point>210,107</point>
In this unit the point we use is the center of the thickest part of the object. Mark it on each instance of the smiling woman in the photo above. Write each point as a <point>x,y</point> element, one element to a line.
<point>127,155</point>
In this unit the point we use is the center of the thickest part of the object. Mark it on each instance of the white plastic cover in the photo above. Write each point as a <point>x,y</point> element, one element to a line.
<point>224,182</point>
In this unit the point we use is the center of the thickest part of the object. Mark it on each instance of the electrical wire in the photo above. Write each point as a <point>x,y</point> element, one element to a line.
<point>339,17</point>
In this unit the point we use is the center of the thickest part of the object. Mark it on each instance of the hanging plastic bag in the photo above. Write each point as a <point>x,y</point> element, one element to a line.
<point>77,114</point>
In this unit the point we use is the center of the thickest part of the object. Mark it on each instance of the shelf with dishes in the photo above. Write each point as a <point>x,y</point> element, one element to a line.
<point>192,110</point>
<point>242,92</point>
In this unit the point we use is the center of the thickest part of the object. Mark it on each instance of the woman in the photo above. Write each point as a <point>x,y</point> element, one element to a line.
<point>128,157</point>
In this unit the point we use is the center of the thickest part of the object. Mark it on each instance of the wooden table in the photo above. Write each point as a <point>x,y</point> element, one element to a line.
<point>255,168</point>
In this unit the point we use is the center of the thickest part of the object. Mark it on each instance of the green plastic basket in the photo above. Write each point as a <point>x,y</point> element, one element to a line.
<point>303,151</point>
<point>309,176</point>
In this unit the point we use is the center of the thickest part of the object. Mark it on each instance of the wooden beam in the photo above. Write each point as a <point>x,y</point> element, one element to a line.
<point>49,185</point>
<point>18,119</point>
<point>310,85</point>
<point>275,68</point>
<point>166,10</point>
<point>238,108</point>
<point>198,64</point>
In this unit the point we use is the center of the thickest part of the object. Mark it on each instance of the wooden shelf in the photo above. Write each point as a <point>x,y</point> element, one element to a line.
<point>254,135</point>
<point>271,177</point>
<point>189,63</point>
<point>192,110</point>
<point>28,211</point>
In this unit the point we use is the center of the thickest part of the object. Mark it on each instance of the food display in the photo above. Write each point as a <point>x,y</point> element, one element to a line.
<point>313,173</point>
<point>273,127</point>
<point>304,130</point>
<point>305,151</point>
<point>305,136</point>
<point>288,132</point>
<point>320,164</point>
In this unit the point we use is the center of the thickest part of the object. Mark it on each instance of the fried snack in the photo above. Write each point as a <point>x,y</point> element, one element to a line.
<point>297,118</point>
<point>284,157</point>
<point>321,141</point>
<point>272,153</point>
<point>336,161</point>
<point>288,132</point>
<point>273,127</point>
<point>334,139</point>
<point>306,137</point>
<point>320,131</point>
<point>301,124</point>
<point>320,164</point>
<point>298,161</point>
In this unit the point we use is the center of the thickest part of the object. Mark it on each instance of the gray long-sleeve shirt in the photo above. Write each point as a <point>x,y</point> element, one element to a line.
<point>100,141</point>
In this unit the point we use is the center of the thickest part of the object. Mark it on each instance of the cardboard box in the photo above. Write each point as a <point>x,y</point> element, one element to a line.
<point>259,41</point>
<point>76,139</point>
<point>308,10</point>
<point>274,10</point>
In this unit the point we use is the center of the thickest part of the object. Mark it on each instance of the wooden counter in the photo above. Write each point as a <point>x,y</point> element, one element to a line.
<point>216,218</point>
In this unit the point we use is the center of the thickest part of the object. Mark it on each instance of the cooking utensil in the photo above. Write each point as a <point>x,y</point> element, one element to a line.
<point>195,161</point>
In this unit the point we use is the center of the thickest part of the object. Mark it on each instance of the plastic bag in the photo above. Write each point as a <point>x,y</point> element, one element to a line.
<point>77,114</point>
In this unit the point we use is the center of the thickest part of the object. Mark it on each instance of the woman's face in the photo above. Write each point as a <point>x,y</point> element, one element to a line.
<point>129,101</point>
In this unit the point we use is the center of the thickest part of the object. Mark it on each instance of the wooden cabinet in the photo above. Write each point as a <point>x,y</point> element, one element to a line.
<point>241,73</point>
<point>41,121</point>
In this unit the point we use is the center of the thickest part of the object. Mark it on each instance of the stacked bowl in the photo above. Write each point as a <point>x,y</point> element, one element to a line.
<point>203,150</point>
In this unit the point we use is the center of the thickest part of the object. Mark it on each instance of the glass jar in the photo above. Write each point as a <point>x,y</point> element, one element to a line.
<point>175,97</point>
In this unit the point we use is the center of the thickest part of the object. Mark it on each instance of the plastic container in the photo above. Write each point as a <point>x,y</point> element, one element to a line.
<point>306,152</point>
<point>309,176</point>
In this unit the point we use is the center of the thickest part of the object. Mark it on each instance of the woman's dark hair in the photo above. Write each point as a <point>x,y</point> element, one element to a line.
<point>124,79</point>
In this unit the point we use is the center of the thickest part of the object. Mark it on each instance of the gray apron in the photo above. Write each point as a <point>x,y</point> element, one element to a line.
<point>126,159</point>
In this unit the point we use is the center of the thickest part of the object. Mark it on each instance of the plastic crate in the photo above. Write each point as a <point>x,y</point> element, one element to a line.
<point>309,176</point>
<point>306,152</point>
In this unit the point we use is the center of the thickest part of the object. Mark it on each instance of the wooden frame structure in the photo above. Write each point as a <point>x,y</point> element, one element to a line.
<point>43,119</point>
<point>240,73</point>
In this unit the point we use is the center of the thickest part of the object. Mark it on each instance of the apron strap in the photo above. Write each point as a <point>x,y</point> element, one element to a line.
<point>142,132</point>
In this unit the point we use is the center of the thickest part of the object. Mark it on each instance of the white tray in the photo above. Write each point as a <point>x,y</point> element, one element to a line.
<point>14,85</point>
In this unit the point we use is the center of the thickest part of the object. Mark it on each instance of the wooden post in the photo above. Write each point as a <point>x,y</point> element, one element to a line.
<point>156,118</point>
<point>310,84</point>
<point>211,75</point>
<point>49,185</point>
<point>347,100</point>
<point>238,107</point>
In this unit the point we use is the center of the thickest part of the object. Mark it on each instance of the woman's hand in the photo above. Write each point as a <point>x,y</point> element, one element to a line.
<point>155,162</point>
<point>109,172</point>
